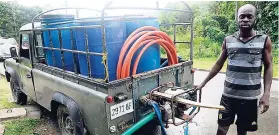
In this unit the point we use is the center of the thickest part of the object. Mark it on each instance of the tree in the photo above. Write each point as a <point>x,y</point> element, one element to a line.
<point>13,16</point>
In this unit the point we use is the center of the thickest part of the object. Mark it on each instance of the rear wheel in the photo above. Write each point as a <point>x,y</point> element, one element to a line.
<point>18,96</point>
<point>66,123</point>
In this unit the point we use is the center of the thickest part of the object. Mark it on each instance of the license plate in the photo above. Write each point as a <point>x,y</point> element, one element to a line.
<point>121,109</point>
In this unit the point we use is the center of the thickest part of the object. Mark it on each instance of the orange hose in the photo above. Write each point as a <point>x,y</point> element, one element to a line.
<point>146,39</point>
<point>161,42</point>
<point>126,66</point>
<point>138,44</point>
<point>132,37</point>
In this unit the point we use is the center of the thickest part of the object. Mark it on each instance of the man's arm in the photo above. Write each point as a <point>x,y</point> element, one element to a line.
<point>217,66</point>
<point>267,59</point>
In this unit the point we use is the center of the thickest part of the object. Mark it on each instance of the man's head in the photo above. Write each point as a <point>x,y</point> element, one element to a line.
<point>246,17</point>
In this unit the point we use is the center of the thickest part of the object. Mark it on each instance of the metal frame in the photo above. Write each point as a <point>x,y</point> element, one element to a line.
<point>103,32</point>
<point>151,96</point>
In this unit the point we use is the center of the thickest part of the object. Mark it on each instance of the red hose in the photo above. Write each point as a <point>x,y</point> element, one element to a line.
<point>143,37</point>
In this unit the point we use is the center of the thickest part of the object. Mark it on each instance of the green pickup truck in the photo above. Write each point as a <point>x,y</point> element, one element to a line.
<point>137,104</point>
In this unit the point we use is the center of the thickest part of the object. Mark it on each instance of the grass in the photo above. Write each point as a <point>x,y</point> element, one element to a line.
<point>207,63</point>
<point>5,93</point>
<point>23,126</point>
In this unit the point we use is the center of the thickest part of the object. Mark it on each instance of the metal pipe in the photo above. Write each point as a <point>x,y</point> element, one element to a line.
<point>174,34</point>
<point>104,42</point>
<point>51,46</point>
<point>73,48</point>
<point>139,124</point>
<point>66,28</point>
<point>185,101</point>
<point>87,53</point>
<point>171,24</point>
<point>191,40</point>
<point>182,42</point>
<point>61,47</point>
<point>144,8</point>
<point>37,47</point>
<point>73,51</point>
<point>62,9</point>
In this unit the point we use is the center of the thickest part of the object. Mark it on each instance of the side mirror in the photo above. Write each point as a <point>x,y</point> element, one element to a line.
<point>13,52</point>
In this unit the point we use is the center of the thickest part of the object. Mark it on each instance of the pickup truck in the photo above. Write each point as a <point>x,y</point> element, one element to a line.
<point>85,105</point>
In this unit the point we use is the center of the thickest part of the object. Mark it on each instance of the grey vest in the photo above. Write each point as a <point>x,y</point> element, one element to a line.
<point>243,76</point>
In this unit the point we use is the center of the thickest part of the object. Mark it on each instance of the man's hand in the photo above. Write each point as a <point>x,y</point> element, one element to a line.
<point>199,87</point>
<point>264,103</point>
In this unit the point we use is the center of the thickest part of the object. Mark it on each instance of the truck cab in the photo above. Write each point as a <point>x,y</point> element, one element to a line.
<point>19,68</point>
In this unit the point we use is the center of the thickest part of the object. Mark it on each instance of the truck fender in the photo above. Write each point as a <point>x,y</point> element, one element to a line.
<point>73,108</point>
<point>10,72</point>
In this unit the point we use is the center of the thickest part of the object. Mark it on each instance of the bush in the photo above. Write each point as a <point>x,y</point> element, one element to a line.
<point>212,28</point>
<point>223,22</point>
<point>205,48</point>
<point>232,27</point>
<point>215,33</point>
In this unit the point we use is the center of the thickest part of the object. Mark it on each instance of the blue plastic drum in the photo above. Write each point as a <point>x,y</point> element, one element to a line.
<point>115,38</point>
<point>56,21</point>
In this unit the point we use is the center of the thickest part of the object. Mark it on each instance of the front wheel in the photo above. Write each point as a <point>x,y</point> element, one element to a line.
<point>18,96</point>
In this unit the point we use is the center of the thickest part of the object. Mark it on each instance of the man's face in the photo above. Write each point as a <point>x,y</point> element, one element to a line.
<point>246,18</point>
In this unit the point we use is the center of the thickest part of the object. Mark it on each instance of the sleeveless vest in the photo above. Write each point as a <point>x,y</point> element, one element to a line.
<point>245,59</point>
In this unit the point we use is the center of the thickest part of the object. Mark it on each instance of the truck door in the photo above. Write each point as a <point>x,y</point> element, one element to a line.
<point>25,66</point>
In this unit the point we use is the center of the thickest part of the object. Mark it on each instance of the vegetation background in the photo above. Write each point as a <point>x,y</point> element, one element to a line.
<point>212,22</point>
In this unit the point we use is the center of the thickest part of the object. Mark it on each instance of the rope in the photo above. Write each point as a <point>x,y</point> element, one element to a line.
<point>104,61</point>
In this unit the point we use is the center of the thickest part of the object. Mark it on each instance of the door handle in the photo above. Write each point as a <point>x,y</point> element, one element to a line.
<point>28,76</point>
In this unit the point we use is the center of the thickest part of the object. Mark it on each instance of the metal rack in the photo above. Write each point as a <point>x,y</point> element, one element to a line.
<point>103,34</point>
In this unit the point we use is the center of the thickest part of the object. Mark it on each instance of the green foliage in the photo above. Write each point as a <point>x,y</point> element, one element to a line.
<point>223,8</point>
<point>212,28</point>
<point>223,22</point>
<point>215,20</point>
<point>211,49</point>
<point>268,19</point>
<point>210,22</point>
<point>232,27</point>
<point>13,16</point>
<point>20,127</point>
<point>215,33</point>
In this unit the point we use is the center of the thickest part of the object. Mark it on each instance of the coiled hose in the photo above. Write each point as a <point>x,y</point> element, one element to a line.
<point>143,36</point>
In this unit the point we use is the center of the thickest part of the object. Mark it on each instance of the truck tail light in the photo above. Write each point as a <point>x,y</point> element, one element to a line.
<point>109,99</point>
<point>192,70</point>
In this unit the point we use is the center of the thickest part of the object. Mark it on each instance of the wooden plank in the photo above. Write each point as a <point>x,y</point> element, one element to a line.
<point>189,102</point>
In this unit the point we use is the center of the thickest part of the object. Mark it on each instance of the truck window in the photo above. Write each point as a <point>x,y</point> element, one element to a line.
<point>24,50</point>
<point>39,42</point>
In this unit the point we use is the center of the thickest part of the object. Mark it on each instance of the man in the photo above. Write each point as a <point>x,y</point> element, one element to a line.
<point>246,51</point>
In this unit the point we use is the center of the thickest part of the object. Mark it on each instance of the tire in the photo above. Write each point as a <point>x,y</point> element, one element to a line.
<point>18,96</point>
<point>65,122</point>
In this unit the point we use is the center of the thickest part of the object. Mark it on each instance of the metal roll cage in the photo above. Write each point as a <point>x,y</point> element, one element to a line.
<point>102,26</point>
